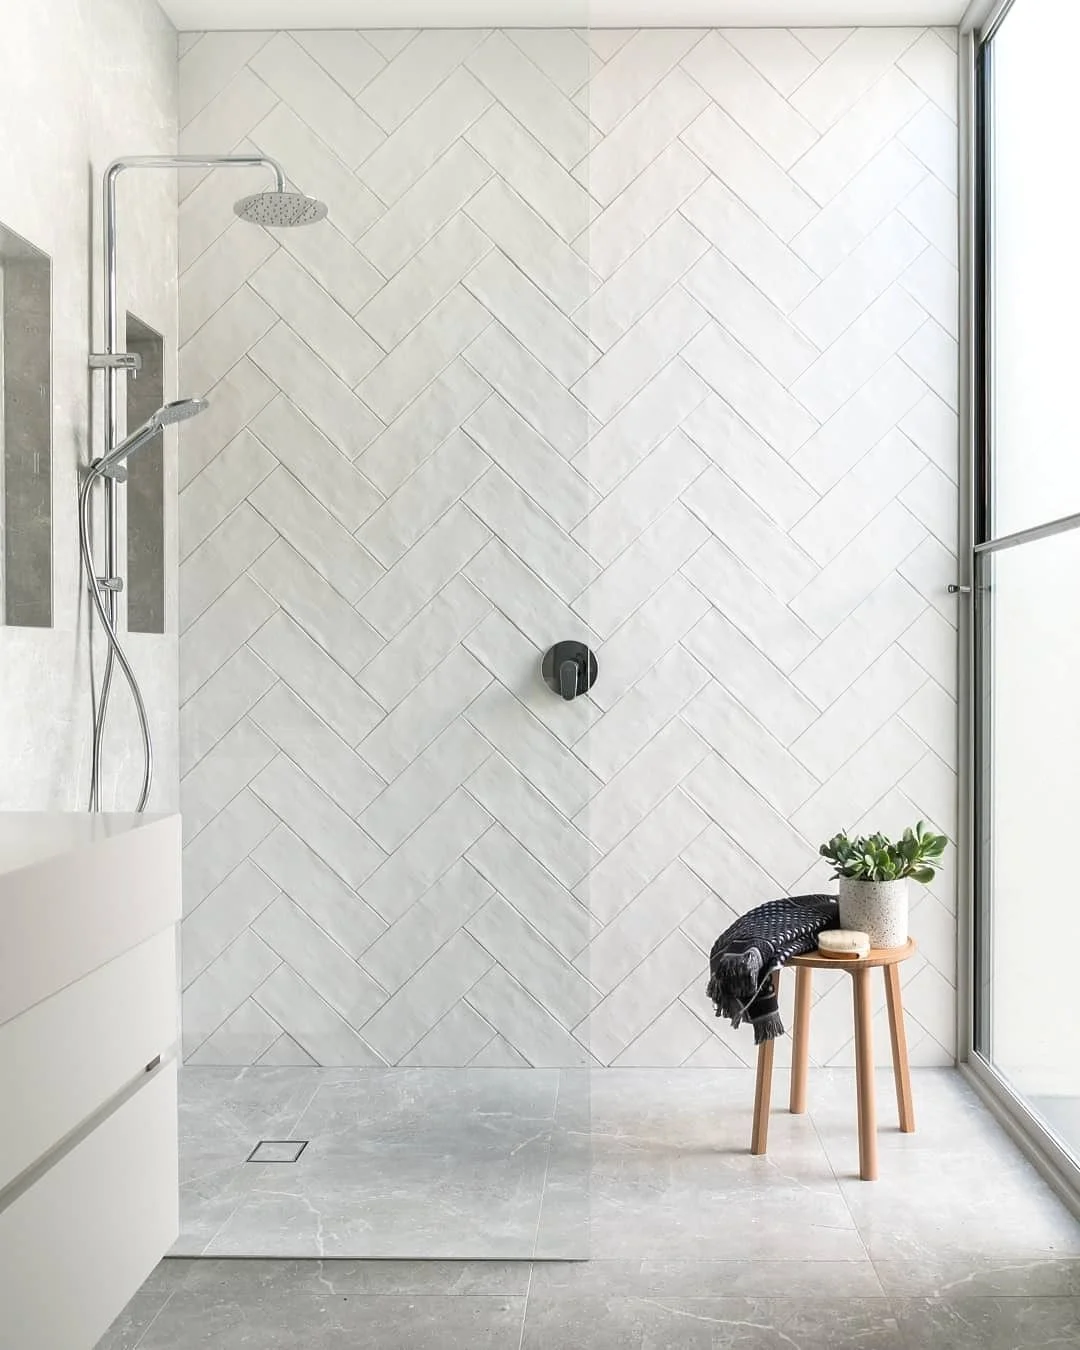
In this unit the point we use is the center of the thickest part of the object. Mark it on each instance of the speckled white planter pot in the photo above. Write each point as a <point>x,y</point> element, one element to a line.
<point>877,908</point>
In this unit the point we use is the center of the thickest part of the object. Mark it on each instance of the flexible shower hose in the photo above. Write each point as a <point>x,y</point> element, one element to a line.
<point>115,654</point>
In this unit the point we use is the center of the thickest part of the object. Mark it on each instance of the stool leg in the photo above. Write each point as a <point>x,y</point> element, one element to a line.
<point>864,1075</point>
<point>759,1140</point>
<point>800,1053</point>
<point>898,1034</point>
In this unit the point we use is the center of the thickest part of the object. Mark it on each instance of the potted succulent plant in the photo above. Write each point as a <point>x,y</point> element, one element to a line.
<point>874,873</point>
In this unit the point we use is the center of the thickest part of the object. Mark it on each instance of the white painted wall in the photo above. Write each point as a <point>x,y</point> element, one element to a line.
<point>81,82</point>
<point>650,333</point>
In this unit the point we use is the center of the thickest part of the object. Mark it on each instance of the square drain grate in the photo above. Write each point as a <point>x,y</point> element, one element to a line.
<point>277,1150</point>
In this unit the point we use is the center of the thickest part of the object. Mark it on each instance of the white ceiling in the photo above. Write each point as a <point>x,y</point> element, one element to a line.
<point>190,15</point>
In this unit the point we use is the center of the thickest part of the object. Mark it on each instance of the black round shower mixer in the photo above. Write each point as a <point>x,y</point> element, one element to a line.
<point>569,668</point>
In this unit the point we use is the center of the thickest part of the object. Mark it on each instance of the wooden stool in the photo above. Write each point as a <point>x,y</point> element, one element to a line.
<point>889,958</point>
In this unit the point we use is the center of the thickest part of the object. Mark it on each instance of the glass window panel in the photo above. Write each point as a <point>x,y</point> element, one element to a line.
<point>1035,276</point>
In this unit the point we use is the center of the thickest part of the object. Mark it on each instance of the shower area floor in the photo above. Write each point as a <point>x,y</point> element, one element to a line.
<point>610,1166</point>
<point>413,1163</point>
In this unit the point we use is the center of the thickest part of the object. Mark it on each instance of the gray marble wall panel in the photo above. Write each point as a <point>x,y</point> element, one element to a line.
<point>646,337</point>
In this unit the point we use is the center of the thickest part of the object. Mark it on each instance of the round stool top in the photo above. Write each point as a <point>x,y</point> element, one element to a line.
<point>879,956</point>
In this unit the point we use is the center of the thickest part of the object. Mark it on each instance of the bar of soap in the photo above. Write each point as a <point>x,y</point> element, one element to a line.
<point>844,943</point>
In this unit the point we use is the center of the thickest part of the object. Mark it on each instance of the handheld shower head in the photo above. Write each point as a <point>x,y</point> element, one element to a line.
<point>114,464</point>
<point>278,209</point>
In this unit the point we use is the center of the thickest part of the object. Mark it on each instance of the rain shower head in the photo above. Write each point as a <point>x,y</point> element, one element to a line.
<point>114,464</point>
<point>278,209</point>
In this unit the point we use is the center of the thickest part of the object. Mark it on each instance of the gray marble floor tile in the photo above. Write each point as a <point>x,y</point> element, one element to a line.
<point>238,1279</point>
<point>337,1322</point>
<point>708,1279</point>
<point>555,1322</point>
<point>129,1328</point>
<point>988,1323</point>
<point>976,1275</point>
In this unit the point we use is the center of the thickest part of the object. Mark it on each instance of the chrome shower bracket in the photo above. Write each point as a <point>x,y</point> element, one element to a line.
<point>126,361</point>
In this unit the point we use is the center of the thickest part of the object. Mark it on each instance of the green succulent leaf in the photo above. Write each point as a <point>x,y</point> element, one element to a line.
<point>875,857</point>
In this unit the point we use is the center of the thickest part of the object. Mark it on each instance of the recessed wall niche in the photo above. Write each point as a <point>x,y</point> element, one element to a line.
<point>25,433</point>
<point>146,486</point>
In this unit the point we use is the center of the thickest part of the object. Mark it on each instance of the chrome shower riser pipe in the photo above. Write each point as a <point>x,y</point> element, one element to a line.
<point>107,609</point>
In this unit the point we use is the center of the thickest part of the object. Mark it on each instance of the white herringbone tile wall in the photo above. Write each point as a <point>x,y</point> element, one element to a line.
<point>648,337</point>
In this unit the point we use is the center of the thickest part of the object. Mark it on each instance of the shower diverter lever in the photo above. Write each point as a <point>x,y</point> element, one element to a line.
<point>569,668</point>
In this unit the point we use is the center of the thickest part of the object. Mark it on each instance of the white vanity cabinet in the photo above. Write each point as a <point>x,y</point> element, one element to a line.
<point>89,908</point>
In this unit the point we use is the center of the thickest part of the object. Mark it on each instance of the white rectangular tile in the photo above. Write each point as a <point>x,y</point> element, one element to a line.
<point>547,905</point>
<point>770,625</point>
<point>750,676</point>
<point>315,462</point>
<point>563,54</point>
<point>532,820</point>
<point>532,98</point>
<point>423,571</point>
<point>320,1031</point>
<point>414,938</point>
<point>633,73</point>
<point>761,473</point>
<point>335,263</point>
<point>857,498</point>
<point>203,74</point>
<point>931,640</point>
<point>858,641</point>
<point>233,834</point>
<point>219,272</point>
<point>934,356</point>
<point>645,131</point>
<point>750,99</point>
<point>641,997</point>
<point>220,989</point>
<point>316,316</point>
<point>758,397</point>
<point>851,143</point>
<point>878,694</point>
<point>931,136</point>
<point>234,401</point>
<point>220,559</point>
<point>526,312</point>
<point>306,878</point>
<point>319,394</point>
<point>876,335</point>
<point>414,146</point>
<point>640,570</point>
<point>436,485</point>
<point>529,242</point>
<point>932,209</point>
<point>777,54</point>
<point>422,1001</point>
<point>643,495</point>
<point>750,534</point>
<point>533,173</point>
<point>417,216</point>
<point>223,339</point>
<point>544,1042</point>
<point>424,641</point>
<point>849,72</point>
<point>534,537</point>
<point>299,517</point>
<point>323,613</point>
<point>647,634</point>
<point>750,318</point>
<point>857,569</point>
<point>750,820</point>
<point>221,486</point>
<point>415,866</point>
<point>746,745</point>
<point>344,54</point>
<point>535,752</point>
<point>424,353</point>
<point>217,778</point>
<point>841,226</point>
<point>427,711</point>
<point>416,72</point>
<point>425,424</point>
<point>317,99</point>
<point>660,406</point>
<point>226,912</point>
<point>220,703</point>
<point>526,457</point>
<point>641,353</point>
<point>326,759</point>
<point>426,279</point>
<point>320,681</point>
<point>318,960</point>
<point>641,712</point>
<point>860,424</point>
<point>310,813</point>
<point>429,780</point>
<point>635,215</point>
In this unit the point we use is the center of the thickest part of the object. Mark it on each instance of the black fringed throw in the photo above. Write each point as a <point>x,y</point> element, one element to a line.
<point>745,958</point>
